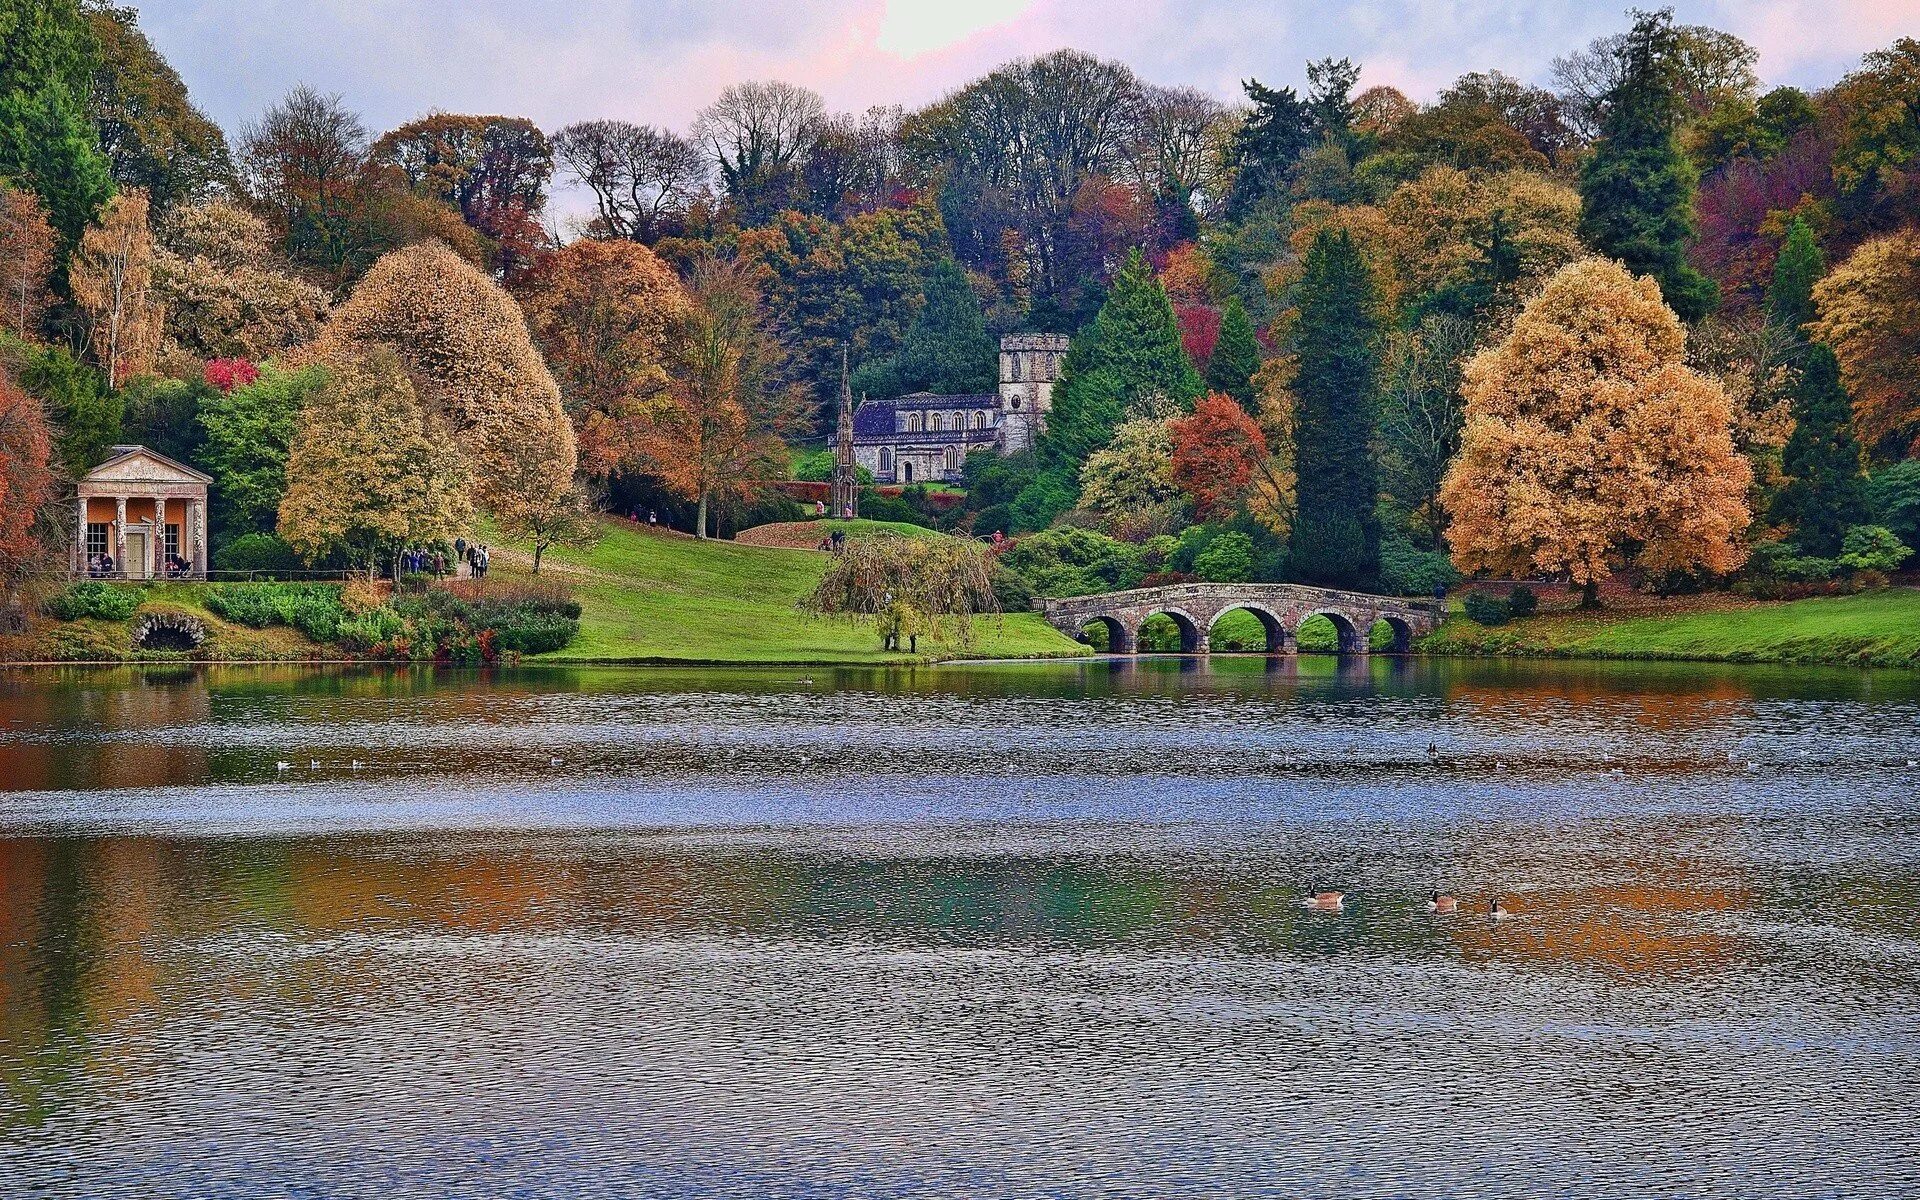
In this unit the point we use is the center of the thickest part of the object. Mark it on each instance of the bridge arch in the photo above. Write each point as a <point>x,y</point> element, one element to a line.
<point>1353,639</point>
<point>1272,624</point>
<point>1402,632</point>
<point>1120,639</point>
<point>1193,633</point>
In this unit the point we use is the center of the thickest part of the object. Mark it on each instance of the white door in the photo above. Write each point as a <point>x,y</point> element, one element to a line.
<point>139,564</point>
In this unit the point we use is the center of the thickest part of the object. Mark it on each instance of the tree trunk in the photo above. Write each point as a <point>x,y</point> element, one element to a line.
<point>1590,594</point>
<point>700,521</point>
<point>538,550</point>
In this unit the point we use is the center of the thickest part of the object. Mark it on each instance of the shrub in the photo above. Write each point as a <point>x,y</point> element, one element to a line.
<point>1013,593</point>
<point>101,601</point>
<point>1522,601</point>
<point>1406,571</point>
<point>1073,562</point>
<point>995,518</point>
<point>1228,559</point>
<point>1486,610</point>
<point>1894,496</point>
<point>1872,548</point>
<point>264,553</point>
<point>370,630</point>
<point>817,467</point>
<point>315,609</point>
<point>875,507</point>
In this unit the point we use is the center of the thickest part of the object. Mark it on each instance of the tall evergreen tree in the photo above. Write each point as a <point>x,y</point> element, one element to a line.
<point>47,141</point>
<point>947,349</point>
<point>1336,538</point>
<point>1267,144</point>
<point>1825,491</point>
<point>1799,266</point>
<point>1130,352</point>
<point>1637,188</point>
<point>1236,356</point>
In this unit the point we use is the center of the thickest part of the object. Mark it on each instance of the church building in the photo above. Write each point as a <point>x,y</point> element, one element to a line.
<point>922,437</point>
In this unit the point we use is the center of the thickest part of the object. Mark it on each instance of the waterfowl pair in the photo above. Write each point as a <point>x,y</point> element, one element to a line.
<point>1438,903</point>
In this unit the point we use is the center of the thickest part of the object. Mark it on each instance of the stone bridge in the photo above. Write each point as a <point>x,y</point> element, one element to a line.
<point>1280,608</point>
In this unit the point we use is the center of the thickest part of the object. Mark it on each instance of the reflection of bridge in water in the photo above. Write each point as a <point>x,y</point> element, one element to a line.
<point>1280,608</point>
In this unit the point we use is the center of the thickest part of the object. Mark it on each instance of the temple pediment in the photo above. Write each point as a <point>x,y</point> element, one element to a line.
<point>139,466</point>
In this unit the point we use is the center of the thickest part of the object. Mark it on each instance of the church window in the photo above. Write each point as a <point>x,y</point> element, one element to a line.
<point>886,460</point>
<point>913,422</point>
<point>953,458</point>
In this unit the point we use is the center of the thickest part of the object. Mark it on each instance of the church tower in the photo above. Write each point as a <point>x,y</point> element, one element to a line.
<point>1029,367</point>
<point>846,479</point>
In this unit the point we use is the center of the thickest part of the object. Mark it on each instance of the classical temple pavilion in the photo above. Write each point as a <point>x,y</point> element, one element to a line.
<point>147,512</point>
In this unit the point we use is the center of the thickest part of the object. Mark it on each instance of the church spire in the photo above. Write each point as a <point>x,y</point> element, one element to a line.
<point>846,482</point>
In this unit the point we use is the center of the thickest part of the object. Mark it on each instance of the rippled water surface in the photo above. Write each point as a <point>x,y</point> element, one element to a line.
<point>1007,930</point>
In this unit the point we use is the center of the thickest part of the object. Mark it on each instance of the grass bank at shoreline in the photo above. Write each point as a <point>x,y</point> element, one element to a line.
<point>1873,629</point>
<point>653,597</point>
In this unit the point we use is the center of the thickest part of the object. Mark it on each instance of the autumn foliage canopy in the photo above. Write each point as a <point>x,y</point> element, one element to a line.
<point>1590,445</point>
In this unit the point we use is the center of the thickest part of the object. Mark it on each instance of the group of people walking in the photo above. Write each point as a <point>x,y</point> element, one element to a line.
<point>472,556</point>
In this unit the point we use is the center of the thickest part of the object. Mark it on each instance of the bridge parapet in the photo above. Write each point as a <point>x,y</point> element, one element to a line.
<point>1280,608</point>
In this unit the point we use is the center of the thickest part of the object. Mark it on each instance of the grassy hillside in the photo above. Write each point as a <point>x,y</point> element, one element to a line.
<point>650,596</point>
<point>1872,629</point>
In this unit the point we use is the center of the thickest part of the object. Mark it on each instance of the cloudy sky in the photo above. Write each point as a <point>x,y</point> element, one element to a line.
<point>660,61</point>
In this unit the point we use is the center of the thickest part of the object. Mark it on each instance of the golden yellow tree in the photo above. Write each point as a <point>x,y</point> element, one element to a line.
<point>111,276</point>
<point>367,475</point>
<point>225,291</point>
<point>1440,231</point>
<point>1870,315</point>
<point>466,350</point>
<point>1590,444</point>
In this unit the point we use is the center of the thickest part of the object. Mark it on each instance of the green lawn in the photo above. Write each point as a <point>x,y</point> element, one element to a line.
<point>652,597</point>
<point>1872,629</point>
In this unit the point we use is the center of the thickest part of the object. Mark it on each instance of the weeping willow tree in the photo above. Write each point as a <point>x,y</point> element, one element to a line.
<point>908,587</point>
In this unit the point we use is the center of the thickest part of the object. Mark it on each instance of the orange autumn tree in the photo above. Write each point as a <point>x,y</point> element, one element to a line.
<point>1870,315</point>
<point>715,432</point>
<point>27,481</point>
<point>1218,452</point>
<point>1590,444</point>
<point>111,276</point>
<point>26,260</point>
<point>600,312</point>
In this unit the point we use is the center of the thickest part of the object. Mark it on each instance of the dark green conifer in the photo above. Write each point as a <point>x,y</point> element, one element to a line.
<point>1637,188</point>
<point>947,349</point>
<point>1236,356</point>
<point>1799,266</point>
<point>47,141</point>
<point>1336,537</point>
<point>1825,492</point>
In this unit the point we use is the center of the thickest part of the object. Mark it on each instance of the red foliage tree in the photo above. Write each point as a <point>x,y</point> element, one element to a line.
<point>1216,453</point>
<point>1739,209</point>
<point>1199,331</point>
<point>26,480</point>
<point>227,374</point>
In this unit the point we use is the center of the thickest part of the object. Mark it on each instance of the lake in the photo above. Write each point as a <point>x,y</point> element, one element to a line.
<point>1008,930</point>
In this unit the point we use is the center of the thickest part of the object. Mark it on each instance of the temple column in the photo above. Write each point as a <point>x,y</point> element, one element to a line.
<point>197,511</point>
<point>120,534</point>
<point>80,540</point>
<point>159,555</point>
